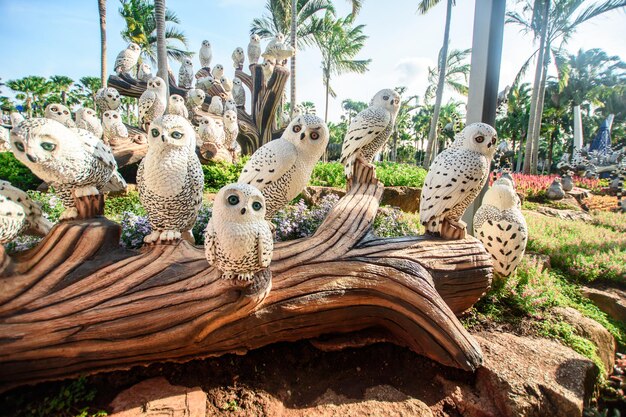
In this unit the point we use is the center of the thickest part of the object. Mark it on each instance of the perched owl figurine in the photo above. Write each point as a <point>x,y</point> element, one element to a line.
<point>145,72</point>
<point>231,128</point>
<point>500,225</point>
<point>455,178</point>
<point>170,179</point>
<point>73,161</point>
<point>369,130</point>
<point>239,93</point>
<point>278,50</point>
<point>227,83</point>
<point>555,190</point>
<point>60,113</point>
<point>282,168</point>
<point>254,49</point>
<point>127,59</point>
<point>238,240</point>
<point>185,74</point>
<point>210,131</point>
<point>152,102</point>
<point>19,214</point>
<point>194,100</point>
<point>217,72</point>
<point>108,99</point>
<point>177,106</point>
<point>205,54</point>
<point>230,104</point>
<point>113,130</point>
<point>268,69</point>
<point>5,142</point>
<point>16,118</point>
<point>238,57</point>
<point>216,106</point>
<point>87,119</point>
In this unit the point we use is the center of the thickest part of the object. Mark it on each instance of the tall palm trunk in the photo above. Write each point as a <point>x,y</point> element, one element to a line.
<point>431,149</point>
<point>102,9</point>
<point>538,116</point>
<point>294,14</point>
<point>159,12</point>
<point>327,77</point>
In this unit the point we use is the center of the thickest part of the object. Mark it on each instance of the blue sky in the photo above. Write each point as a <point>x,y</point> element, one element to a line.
<point>54,37</point>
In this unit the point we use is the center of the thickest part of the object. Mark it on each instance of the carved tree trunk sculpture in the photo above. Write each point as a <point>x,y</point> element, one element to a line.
<point>79,303</point>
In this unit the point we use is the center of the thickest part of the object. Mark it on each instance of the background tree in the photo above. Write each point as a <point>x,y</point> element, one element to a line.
<point>30,90</point>
<point>87,88</point>
<point>159,13</point>
<point>102,13</point>
<point>61,84</point>
<point>352,108</point>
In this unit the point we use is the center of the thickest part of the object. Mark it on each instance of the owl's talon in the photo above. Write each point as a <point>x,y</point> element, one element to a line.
<point>69,214</point>
<point>152,237</point>
<point>86,191</point>
<point>170,235</point>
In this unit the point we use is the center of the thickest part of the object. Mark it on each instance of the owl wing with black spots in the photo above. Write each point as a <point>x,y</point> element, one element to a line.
<point>265,246</point>
<point>449,181</point>
<point>269,163</point>
<point>363,129</point>
<point>210,240</point>
<point>146,101</point>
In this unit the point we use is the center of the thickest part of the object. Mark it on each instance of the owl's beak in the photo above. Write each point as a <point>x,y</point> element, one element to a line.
<point>163,138</point>
<point>31,158</point>
<point>302,136</point>
<point>243,210</point>
<point>489,145</point>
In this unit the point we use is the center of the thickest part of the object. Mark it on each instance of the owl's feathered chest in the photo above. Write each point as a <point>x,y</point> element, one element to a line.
<point>165,170</point>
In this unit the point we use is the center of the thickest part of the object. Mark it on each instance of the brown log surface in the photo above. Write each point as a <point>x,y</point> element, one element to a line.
<point>79,303</point>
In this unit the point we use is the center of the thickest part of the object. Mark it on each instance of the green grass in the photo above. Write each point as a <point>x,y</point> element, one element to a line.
<point>115,206</point>
<point>330,174</point>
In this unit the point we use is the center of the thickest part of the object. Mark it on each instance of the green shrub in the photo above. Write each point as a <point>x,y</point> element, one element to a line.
<point>17,173</point>
<point>395,175</point>
<point>51,204</point>
<point>219,174</point>
<point>328,174</point>
<point>115,206</point>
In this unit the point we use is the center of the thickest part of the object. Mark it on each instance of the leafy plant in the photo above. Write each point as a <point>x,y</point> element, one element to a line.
<point>17,173</point>
<point>51,204</point>
<point>393,175</point>
<point>115,206</point>
<point>328,174</point>
<point>204,215</point>
<point>134,228</point>
<point>219,174</point>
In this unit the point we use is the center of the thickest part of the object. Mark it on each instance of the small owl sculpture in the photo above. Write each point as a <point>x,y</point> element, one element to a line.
<point>231,128</point>
<point>170,179</point>
<point>60,113</point>
<point>254,49</point>
<point>238,240</point>
<point>268,69</point>
<point>369,130</point>
<point>19,214</point>
<point>114,131</point>
<point>227,83</point>
<point>145,72</point>
<point>177,106</point>
<point>73,161</point>
<point>217,71</point>
<point>193,101</point>
<point>456,176</point>
<point>152,102</point>
<point>216,106</point>
<point>5,142</point>
<point>16,118</point>
<point>238,57</point>
<point>230,104</point>
<point>108,99</point>
<point>278,50</point>
<point>205,54</point>
<point>87,119</point>
<point>500,225</point>
<point>282,168</point>
<point>127,59</point>
<point>185,74</point>
<point>239,93</point>
<point>210,131</point>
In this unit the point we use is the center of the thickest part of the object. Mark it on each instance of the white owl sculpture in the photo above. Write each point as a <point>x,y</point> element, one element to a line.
<point>238,240</point>
<point>177,106</point>
<point>254,49</point>
<point>268,69</point>
<point>230,104</point>
<point>60,113</point>
<point>282,168</point>
<point>73,161</point>
<point>185,74</point>
<point>217,72</point>
<point>205,54</point>
<point>108,99</point>
<point>500,225</point>
<point>231,128</point>
<point>456,176</point>
<point>369,130</point>
<point>87,119</point>
<point>145,72</point>
<point>239,93</point>
<point>152,102</point>
<point>216,106</point>
<point>5,142</point>
<point>210,131</point>
<point>127,59</point>
<point>278,50</point>
<point>114,131</point>
<point>19,214</point>
<point>193,101</point>
<point>227,83</point>
<point>170,179</point>
<point>238,57</point>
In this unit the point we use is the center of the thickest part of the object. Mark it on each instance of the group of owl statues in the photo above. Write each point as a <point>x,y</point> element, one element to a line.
<point>75,157</point>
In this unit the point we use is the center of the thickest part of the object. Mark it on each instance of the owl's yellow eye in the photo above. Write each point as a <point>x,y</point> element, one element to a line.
<point>19,146</point>
<point>233,200</point>
<point>257,206</point>
<point>47,146</point>
<point>315,135</point>
<point>155,133</point>
<point>176,134</point>
<point>297,128</point>
<point>479,139</point>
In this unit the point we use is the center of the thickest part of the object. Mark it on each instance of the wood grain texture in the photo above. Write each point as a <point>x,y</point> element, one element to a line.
<point>78,303</point>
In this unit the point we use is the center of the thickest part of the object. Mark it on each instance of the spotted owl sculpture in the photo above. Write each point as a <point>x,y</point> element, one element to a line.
<point>108,99</point>
<point>205,54</point>
<point>145,72</point>
<point>19,214</point>
<point>193,101</point>
<point>114,132</point>
<point>455,178</point>
<point>268,69</point>
<point>185,74</point>
<point>238,241</point>
<point>127,59</point>
<point>239,93</point>
<point>230,104</point>
<point>500,225</point>
<point>217,72</point>
<point>152,102</point>
<point>369,130</point>
<point>282,168</point>
<point>177,106</point>
<point>231,128</point>
<point>278,50</point>
<point>60,113</point>
<point>170,179</point>
<point>5,143</point>
<point>73,161</point>
<point>209,131</point>
<point>238,57</point>
<point>254,49</point>
<point>88,119</point>
<point>216,106</point>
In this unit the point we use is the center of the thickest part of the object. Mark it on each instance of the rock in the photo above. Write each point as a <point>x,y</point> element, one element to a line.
<point>565,214</point>
<point>593,331</point>
<point>567,183</point>
<point>612,301</point>
<point>313,195</point>
<point>579,194</point>
<point>533,377</point>
<point>405,198</point>
<point>157,397</point>
<point>555,191</point>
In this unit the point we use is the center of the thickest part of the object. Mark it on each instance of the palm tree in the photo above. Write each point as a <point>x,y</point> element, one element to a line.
<point>352,108</point>
<point>515,124</point>
<point>141,28</point>
<point>102,11</point>
<point>339,42</point>
<point>30,90</point>
<point>159,13</point>
<point>62,84</point>
<point>87,88</point>
<point>424,7</point>
<point>403,120</point>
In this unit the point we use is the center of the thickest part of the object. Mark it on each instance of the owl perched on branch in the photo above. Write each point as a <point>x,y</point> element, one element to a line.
<point>88,119</point>
<point>108,99</point>
<point>60,113</point>
<point>254,49</point>
<point>185,74</point>
<point>152,102</point>
<point>19,214</point>
<point>127,59</point>
<point>205,54</point>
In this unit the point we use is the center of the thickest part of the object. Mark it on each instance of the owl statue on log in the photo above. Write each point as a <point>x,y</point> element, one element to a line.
<point>19,214</point>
